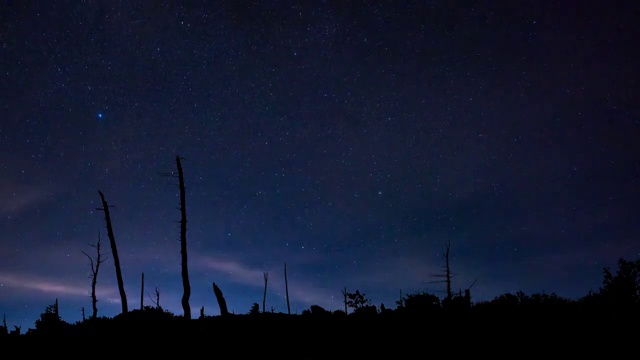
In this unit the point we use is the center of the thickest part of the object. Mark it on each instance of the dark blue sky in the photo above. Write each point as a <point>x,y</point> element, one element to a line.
<point>352,140</point>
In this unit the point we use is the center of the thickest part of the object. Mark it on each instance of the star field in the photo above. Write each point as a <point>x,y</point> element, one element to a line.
<point>351,140</point>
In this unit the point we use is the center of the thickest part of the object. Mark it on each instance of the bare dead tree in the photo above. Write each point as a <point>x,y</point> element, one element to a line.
<point>142,293</point>
<point>221,301</point>
<point>95,267</point>
<point>400,301</point>
<point>114,252</point>
<point>446,277</point>
<point>286,288</point>
<point>186,286</point>
<point>264,297</point>
<point>156,301</point>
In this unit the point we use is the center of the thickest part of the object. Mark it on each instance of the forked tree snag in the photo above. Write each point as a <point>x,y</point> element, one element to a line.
<point>221,301</point>
<point>114,252</point>
<point>95,267</point>
<point>446,276</point>
<point>286,288</point>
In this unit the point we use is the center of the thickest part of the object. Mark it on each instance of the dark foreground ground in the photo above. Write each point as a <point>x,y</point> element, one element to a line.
<point>506,334</point>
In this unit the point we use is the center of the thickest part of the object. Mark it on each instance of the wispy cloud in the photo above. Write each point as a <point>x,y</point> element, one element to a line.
<point>16,198</point>
<point>38,284</point>
<point>234,270</point>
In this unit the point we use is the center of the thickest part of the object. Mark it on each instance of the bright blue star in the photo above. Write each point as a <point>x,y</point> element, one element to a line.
<point>100,115</point>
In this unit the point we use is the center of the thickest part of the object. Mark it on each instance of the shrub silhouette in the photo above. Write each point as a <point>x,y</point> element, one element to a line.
<point>255,309</point>
<point>50,322</point>
<point>623,287</point>
<point>316,311</point>
<point>420,303</point>
<point>357,300</point>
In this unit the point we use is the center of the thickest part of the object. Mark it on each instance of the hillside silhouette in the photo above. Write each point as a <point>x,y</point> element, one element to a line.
<point>603,319</point>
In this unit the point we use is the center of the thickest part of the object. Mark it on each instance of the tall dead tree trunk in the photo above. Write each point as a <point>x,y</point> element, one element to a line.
<point>114,252</point>
<point>186,286</point>
<point>142,293</point>
<point>448,273</point>
<point>264,297</point>
<point>344,295</point>
<point>286,288</point>
<point>186,294</point>
<point>95,267</point>
<point>222,303</point>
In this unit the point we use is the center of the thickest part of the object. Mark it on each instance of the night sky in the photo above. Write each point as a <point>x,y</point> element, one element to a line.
<point>351,140</point>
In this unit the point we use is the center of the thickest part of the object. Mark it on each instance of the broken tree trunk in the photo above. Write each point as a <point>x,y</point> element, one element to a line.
<point>286,288</point>
<point>114,253</point>
<point>221,302</point>
<point>448,273</point>
<point>264,297</point>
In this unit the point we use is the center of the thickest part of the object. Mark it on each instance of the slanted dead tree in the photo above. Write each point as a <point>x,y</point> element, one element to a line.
<point>186,286</point>
<point>264,297</point>
<point>114,252</point>
<point>95,267</point>
<point>286,288</point>
<point>467,294</point>
<point>222,303</point>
